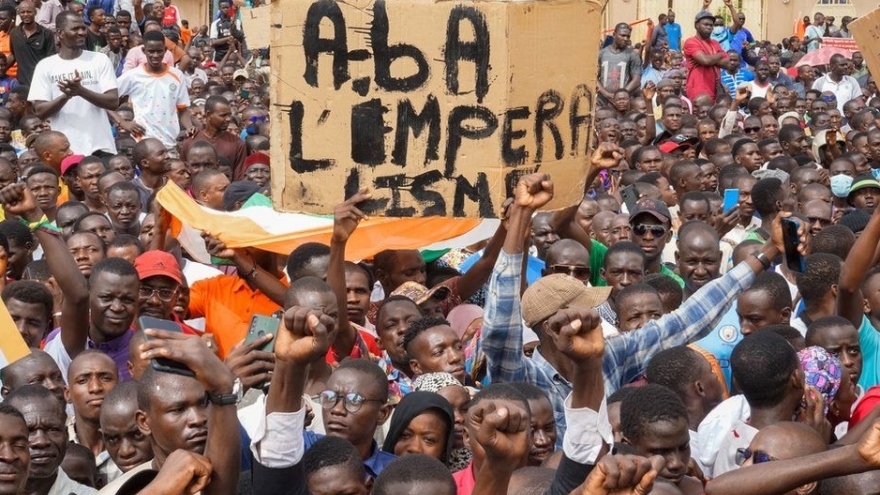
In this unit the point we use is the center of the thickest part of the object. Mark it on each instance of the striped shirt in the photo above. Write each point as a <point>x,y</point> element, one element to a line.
<point>626,355</point>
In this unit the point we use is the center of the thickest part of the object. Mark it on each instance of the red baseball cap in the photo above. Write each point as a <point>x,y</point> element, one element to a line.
<point>70,161</point>
<point>158,263</point>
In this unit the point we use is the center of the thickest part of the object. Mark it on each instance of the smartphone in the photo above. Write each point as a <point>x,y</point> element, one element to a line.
<point>731,199</point>
<point>630,198</point>
<point>260,326</point>
<point>790,241</point>
<point>162,364</point>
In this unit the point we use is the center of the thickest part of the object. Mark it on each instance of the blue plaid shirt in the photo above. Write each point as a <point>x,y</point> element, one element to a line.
<point>626,355</point>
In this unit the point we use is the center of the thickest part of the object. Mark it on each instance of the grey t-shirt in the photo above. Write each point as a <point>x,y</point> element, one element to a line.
<point>617,69</point>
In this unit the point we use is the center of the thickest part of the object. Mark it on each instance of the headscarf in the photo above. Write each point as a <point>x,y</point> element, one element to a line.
<point>412,405</point>
<point>433,382</point>
<point>786,115</point>
<point>461,317</point>
<point>823,371</point>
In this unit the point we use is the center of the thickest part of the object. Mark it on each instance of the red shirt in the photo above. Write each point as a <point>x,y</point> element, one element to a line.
<point>865,406</point>
<point>464,480</point>
<point>702,79</point>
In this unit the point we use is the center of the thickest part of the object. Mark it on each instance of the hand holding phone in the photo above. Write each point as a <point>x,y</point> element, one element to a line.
<point>731,199</point>
<point>263,326</point>
<point>163,364</point>
<point>190,352</point>
<point>794,260</point>
<point>630,198</point>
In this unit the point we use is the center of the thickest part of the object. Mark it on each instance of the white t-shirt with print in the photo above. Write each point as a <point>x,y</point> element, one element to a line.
<point>86,126</point>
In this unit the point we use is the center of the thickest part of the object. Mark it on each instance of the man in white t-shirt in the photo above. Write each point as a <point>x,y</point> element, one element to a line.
<point>75,88</point>
<point>158,94</point>
<point>845,88</point>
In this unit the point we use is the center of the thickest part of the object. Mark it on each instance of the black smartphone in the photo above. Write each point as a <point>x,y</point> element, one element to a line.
<point>162,364</point>
<point>260,326</point>
<point>790,240</point>
<point>630,198</point>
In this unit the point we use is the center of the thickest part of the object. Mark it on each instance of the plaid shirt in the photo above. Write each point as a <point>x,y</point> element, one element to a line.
<point>626,355</point>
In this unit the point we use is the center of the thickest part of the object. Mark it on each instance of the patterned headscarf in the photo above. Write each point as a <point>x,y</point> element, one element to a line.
<point>821,370</point>
<point>433,382</point>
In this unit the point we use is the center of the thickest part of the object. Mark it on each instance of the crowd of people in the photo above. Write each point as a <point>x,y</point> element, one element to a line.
<point>704,320</point>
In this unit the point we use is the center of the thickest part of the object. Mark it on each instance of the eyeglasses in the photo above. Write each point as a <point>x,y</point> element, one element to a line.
<point>759,457</point>
<point>749,130</point>
<point>577,271</point>
<point>655,230</point>
<point>352,401</point>
<point>163,294</point>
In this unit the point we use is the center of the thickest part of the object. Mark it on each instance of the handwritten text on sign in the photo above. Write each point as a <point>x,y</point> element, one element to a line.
<point>438,108</point>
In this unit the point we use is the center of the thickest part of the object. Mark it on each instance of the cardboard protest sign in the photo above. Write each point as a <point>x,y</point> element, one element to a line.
<point>863,7</point>
<point>866,32</point>
<point>438,107</point>
<point>255,23</point>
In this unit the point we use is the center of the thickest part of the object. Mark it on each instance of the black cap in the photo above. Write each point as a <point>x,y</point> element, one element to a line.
<point>239,191</point>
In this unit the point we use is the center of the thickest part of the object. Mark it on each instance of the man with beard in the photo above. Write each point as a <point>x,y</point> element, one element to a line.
<point>705,56</point>
<point>47,441</point>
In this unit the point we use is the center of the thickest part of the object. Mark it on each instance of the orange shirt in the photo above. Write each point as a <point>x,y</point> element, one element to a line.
<point>185,35</point>
<point>227,303</point>
<point>6,48</point>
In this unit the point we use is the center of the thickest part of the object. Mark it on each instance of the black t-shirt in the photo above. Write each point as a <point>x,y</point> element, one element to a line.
<point>94,42</point>
<point>29,51</point>
<point>225,27</point>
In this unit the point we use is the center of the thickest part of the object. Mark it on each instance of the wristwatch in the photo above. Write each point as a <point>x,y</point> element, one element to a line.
<point>228,399</point>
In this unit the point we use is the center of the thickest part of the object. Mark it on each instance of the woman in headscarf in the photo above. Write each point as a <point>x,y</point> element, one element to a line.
<point>467,321</point>
<point>824,374</point>
<point>448,387</point>
<point>423,423</point>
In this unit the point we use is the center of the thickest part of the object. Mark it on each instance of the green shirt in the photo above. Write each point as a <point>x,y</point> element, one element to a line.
<point>671,274</point>
<point>597,262</point>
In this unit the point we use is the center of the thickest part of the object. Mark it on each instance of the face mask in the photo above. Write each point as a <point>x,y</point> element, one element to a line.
<point>718,30</point>
<point>840,185</point>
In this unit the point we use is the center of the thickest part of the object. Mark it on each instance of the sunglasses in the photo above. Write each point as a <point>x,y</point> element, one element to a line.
<point>759,457</point>
<point>829,99</point>
<point>352,401</point>
<point>655,230</point>
<point>577,271</point>
<point>749,130</point>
